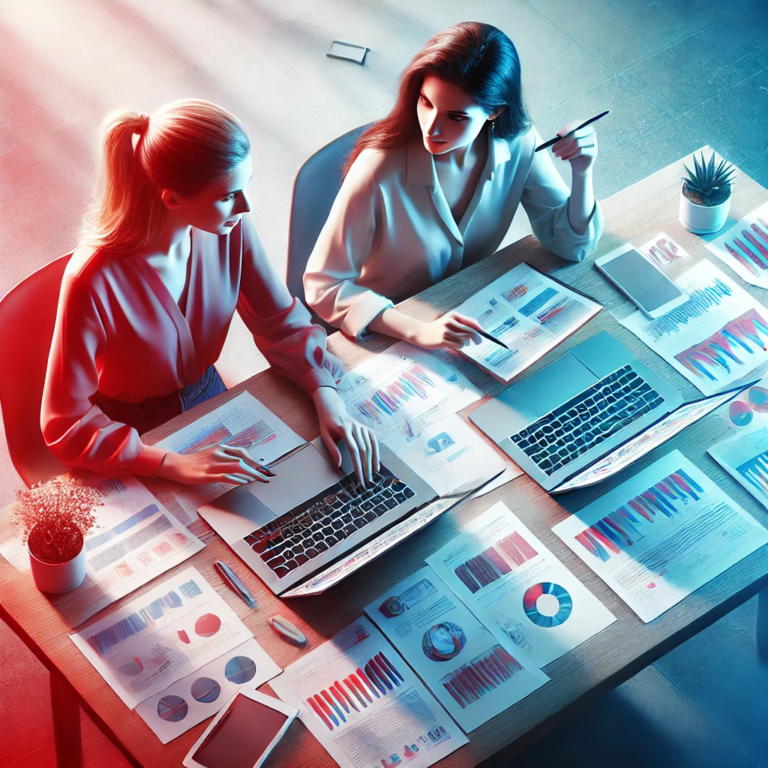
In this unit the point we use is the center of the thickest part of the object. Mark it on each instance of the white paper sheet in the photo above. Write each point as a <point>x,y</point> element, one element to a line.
<point>162,636</point>
<point>474,673</point>
<point>530,313</point>
<point>362,722</point>
<point>202,694</point>
<point>244,422</point>
<point>662,250</point>
<point>661,535</point>
<point>516,586</point>
<point>745,457</point>
<point>717,338</point>
<point>402,391</point>
<point>744,247</point>
<point>137,540</point>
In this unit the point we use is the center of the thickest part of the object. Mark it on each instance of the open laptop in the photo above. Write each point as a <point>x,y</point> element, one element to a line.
<point>588,415</point>
<point>312,514</point>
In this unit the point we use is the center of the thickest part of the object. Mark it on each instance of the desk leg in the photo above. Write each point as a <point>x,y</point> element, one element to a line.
<point>66,722</point>
<point>762,624</point>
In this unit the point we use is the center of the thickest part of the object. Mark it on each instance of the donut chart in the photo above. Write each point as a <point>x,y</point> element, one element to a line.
<point>531,606</point>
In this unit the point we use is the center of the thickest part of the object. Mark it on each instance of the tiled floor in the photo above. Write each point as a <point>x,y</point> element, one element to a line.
<point>676,74</point>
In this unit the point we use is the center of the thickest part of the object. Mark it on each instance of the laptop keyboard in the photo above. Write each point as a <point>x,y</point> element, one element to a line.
<point>316,525</point>
<point>587,420</point>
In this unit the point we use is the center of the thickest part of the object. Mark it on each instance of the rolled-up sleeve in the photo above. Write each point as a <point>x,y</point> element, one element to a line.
<point>77,431</point>
<point>281,325</point>
<point>341,251</point>
<point>545,199</point>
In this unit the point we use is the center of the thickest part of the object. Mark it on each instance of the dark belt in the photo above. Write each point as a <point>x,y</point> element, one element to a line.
<point>154,411</point>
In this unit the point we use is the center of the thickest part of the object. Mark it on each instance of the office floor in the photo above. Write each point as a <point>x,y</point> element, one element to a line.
<point>675,74</point>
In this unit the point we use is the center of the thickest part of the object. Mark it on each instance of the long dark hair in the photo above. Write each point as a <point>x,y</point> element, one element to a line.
<point>480,59</point>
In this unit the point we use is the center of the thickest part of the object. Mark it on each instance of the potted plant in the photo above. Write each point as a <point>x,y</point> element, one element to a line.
<point>54,518</point>
<point>705,198</point>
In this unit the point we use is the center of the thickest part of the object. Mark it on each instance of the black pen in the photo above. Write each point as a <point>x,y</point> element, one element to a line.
<point>491,338</point>
<point>237,586</point>
<point>578,127</point>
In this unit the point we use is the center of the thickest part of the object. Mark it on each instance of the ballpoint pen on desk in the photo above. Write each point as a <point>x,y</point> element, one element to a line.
<point>232,581</point>
<point>578,127</point>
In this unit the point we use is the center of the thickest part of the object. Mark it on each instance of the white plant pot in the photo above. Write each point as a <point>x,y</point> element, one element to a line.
<point>57,578</point>
<point>703,219</point>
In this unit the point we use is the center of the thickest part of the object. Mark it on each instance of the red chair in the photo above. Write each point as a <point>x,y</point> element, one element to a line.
<point>27,318</point>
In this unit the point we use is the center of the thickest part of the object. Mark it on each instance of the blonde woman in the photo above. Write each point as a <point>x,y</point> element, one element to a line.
<point>433,188</point>
<point>168,254</point>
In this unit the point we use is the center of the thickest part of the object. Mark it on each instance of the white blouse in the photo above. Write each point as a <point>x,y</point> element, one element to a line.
<point>391,233</point>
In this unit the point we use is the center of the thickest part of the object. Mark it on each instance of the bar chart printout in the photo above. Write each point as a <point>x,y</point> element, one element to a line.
<point>474,673</point>
<point>362,702</point>
<point>716,339</point>
<point>661,535</point>
<point>745,457</point>
<point>518,588</point>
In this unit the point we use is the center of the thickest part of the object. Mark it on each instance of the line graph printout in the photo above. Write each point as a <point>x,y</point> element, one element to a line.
<point>363,703</point>
<point>530,313</point>
<point>744,247</point>
<point>403,390</point>
<point>717,338</point>
<point>243,422</point>
<point>661,535</point>
<point>518,588</point>
<point>474,673</point>
<point>161,636</point>
<point>745,457</point>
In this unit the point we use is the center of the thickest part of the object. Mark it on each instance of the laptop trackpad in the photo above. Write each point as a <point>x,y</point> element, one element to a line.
<point>554,385</point>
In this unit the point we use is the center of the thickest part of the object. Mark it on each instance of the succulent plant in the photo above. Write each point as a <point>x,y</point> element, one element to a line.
<point>709,185</point>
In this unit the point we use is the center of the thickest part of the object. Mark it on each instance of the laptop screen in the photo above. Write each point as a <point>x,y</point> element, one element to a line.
<point>646,441</point>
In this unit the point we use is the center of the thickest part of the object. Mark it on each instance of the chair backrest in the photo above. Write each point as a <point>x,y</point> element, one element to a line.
<point>317,183</point>
<point>27,318</point>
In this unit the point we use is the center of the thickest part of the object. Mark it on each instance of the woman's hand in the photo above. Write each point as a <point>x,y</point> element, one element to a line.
<point>220,463</point>
<point>452,330</point>
<point>579,149</point>
<point>337,424</point>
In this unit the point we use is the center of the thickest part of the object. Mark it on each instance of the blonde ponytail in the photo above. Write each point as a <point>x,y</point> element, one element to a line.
<point>185,146</point>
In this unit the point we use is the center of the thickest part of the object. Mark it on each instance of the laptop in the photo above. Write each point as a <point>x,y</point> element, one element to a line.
<point>312,514</point>
<point>588,415</point>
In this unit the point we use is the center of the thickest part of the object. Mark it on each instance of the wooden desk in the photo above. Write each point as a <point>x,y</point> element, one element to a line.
<point>606,660</point>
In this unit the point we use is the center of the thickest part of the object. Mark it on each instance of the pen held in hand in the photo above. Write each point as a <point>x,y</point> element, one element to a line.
<point>488,336</point>
<point>578,127</point>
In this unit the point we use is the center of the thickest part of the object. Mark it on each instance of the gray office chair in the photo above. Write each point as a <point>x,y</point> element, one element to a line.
<point>317,183</point>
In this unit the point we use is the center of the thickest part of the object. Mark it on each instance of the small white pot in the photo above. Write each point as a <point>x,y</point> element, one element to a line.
<point>703,219</point>
<point>57,578</point>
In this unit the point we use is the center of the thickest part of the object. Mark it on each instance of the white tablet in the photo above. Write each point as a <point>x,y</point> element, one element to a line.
<point>244,732</point>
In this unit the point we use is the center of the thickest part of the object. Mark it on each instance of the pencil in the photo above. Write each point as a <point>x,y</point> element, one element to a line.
<point>578,127</point>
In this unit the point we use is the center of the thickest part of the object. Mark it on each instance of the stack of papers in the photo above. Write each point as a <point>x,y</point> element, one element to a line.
<point>530,312</point>
<point>661,535</point>
<point>363,703</point>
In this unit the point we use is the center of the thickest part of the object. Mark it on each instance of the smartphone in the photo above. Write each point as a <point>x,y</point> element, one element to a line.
<point>641,281</point>
<point>243,733</point>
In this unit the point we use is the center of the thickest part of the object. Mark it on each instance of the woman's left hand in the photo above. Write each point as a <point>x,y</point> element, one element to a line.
<point>579,149</point>
<point>337,424</point>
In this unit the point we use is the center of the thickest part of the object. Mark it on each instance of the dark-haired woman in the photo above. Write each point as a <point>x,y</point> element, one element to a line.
<point>433,188</point>
<point>169,252</point>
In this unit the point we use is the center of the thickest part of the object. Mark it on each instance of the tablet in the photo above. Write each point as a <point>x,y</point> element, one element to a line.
<point>243,733</point>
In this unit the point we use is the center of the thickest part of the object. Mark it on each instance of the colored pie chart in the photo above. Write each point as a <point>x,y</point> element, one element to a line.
<point>172,708</point>
<point>547,604</point>
<point>240,669</point>
<point>208,625</point>
<point>205,690</point>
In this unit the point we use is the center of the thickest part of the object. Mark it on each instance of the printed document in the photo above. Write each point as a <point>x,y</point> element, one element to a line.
<point>362,702</point>
<point>661,535</point>
<point>744,247</point>
<point>716,339</point>
<point>745,457</point>
<point>473,673</point>
<point>516,586</point>
<point>137,540</point>
<point>530,313</point>
<point>202,694</point>
<point>162,636</point>
<point>243,422</point>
